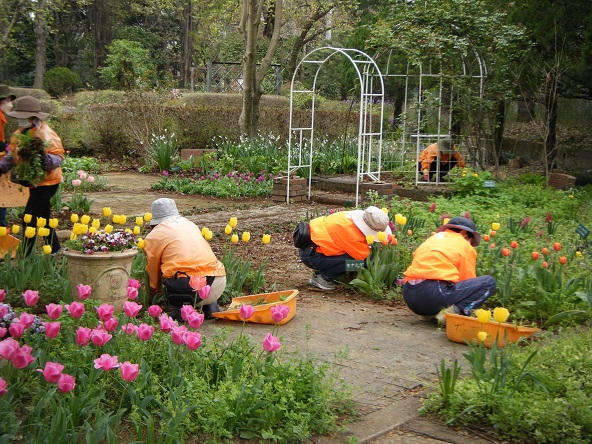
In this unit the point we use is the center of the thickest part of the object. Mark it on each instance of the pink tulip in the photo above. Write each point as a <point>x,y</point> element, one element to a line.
<point>27,348</point>
<point>204,292</point>
<point>144,332</point>
<point>52,371</point>
<point>76,182</point>
<point>129,371</point>
<point>100,337</point>
<point>83,291</point>
<point>186,310</point>
<point>26,319</point>
<point>52,329</point>
<point>54,311</point>
<point>106,362</point>
<point>76,309</point>
<point>195,319</point>
<point>3,389</point>
<point>154,311</point>
<point>66,383</point>
<point>129,328</point>
<point>111,324</point>
<point>83,336</point>
<point>3,310</point>
<point>271,343</point>
<point>192,340</point>
<point>133,283</point>
<point>16,329</point>
<point>197,282</point>
<point>131,309</point>
<point>82,174</point>
<point>21,358</point>
<point>246,311</point>
<point>279,312</point>
<point>178,334</point>
<point>8,347</point>
<point>132,292</point>
<point>166,323</point>
<point>3,332</point>
<point>2,294</point>
<point>105,311</point>
<point>31,297</point>
<point>90,179</point>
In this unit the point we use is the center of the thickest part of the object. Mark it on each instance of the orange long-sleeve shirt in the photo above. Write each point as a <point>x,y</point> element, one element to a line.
<point>430,154</point>
<point>336,234</point>
<point>177,245</point>
<point>445,256</point>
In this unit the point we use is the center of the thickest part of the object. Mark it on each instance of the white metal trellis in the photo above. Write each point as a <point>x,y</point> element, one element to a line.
<point>370,126</point>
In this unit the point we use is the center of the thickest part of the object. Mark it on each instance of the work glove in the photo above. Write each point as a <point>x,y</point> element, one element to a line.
<point>426,177</point>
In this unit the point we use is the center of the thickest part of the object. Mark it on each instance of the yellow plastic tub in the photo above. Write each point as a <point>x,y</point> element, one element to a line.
<point>8,243</point>
<point>262,314</point>
<point>465,329</point>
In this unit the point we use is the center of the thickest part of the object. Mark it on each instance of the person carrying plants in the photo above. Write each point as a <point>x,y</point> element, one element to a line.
<point>36,155</point>
<point>175,252</point>
<point>439,158</point>
<point>6,98</point>
<point>340,237</point>
<point>442,274</point>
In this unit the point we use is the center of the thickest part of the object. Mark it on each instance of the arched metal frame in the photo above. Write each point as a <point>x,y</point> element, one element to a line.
<point>370,128</point>
<point>416,74</point>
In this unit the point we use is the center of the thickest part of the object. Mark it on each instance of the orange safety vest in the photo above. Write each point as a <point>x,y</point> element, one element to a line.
<point>337,234</point>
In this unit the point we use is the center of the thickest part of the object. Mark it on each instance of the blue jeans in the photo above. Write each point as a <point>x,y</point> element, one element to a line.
<point>330,267</point>
<point>429,297</point>
<point>2,217</point>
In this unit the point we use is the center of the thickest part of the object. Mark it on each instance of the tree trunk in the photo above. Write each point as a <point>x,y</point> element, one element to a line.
<point>40,47</point>
<point>498,130</point>
<point>187,45</point>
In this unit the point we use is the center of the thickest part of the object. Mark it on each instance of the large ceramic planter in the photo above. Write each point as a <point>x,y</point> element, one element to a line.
<point>465,329</point>
<point>262,304</point>
<point>106,273</point>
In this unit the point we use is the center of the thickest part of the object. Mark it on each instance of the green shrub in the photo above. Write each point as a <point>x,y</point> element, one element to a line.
<point>60,81</point>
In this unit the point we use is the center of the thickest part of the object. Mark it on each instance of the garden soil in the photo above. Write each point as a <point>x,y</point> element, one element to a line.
<point>382,350</point>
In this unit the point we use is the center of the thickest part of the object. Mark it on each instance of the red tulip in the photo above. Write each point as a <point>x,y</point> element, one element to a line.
<point>486,237</point>
<point>535,255</point>
<point>563,260</point>
<point>514,244</point>
<point>506,251</point>
<point>556,246</point>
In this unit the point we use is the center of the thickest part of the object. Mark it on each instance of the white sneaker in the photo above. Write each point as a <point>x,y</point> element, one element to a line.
<point>453,309</point>
<point>318,281</point>
<point>426,318</point>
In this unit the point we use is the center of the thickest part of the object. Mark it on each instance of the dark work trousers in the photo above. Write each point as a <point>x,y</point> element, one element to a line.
<point>330,267</point>
<point>429,297</point>
<point>444,168</point>
<point>39,205</point>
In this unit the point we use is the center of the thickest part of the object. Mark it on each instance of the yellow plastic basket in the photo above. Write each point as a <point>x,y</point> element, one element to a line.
<point>262,304</point>
<point>8,243</point>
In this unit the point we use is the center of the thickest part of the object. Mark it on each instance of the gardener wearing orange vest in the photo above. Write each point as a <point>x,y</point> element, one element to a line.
<point>339,237</point>
<point>442,274</point>
<point>439,158</point>
<point>6,98</point>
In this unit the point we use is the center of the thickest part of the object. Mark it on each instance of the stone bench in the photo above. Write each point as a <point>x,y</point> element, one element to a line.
<point>561,181</point>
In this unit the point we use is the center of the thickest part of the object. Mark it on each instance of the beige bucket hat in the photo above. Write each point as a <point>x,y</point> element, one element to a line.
<point>27,106</point>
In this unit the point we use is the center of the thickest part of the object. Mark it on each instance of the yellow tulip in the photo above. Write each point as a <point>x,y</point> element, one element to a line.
<point>381,236</point>
<point>500,314</point>
<point>30,232</point>
<point>483,315</point>
<point>136,230</point>
<point>141,243</point>
<point>139,220</point>
<point>266,239</point>
<point>92,230</point>
<point>54,222</point>
<point>27,218</point>
<point>232,222</point>
<point>578,253</point>
<point>204,230</point>
<point>47,249</point>
<point>16,229</point>
<point>571,196</point>
<point>398,217</point>
<point>385,210</point>
<point>107,211</point>
<point>72,236</point>
<point>482,336</point>
<point>246,236</point>
<point>127,230</point>
<point>495,226</point>
<point>475,175</point>
<point>41,222</point>
<point>74,218</point>
<point>43,232</point>
<point>228,229</point>
<point>96,223</point>
<point>403,221</point>
<point>445,220</point>
<point>85,219</point>
<point>148,217</point>
<point>234,238</point>
<point>370,239</point>
<point>3,231</point>
<point>83,228</point>
<point>108,228</point>
<point>208,235</point>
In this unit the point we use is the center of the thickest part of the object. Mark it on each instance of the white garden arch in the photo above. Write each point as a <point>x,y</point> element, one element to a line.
<point>371,108</point>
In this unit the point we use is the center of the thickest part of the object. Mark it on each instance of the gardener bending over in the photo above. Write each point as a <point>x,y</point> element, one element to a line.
<point>176,250</point>
<point>439,158</point>
<point>443,273</point>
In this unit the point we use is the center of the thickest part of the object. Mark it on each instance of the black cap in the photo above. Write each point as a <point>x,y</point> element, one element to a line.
<point>462,223</point>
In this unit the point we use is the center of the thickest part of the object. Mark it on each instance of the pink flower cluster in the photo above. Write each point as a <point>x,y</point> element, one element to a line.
<point>82,176</point>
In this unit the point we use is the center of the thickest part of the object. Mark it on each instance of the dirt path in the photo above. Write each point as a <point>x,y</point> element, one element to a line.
<point>390,356</point>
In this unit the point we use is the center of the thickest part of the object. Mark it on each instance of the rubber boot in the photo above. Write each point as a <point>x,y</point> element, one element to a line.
<point>209,309</point>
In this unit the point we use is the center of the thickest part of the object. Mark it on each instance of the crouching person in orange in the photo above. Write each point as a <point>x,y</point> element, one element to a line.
<point>438,159</point>
<point>176,251</point>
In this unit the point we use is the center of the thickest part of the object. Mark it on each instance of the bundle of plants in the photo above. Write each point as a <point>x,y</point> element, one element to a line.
<point>28,158</point>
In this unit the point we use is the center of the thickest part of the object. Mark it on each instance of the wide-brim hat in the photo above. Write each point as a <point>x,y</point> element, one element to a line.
<point>370,221</point>
<point>162,209</point>
<point>6,93</point>
<point>462,223</point>
<point>27,106</point>
<point>445,146</point>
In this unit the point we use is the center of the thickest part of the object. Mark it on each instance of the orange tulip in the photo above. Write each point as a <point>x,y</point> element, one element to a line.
<point>556,246</point>
<point>545,251</point>
<point>514,244</point>
<point>563,260</point>
<point>545,265</point>
<point>492,233</point>
<point>535,255</point>
<point>491,245</point>
<point>506,251</point>
<point>486,237</point>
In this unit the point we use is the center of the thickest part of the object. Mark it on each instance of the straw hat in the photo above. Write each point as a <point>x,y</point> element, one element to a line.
<point>462,223</point>
<point>5,93</point>
<point>370,221</point>
<point>162,209</point>
<point>27,106</point>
